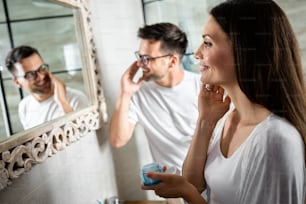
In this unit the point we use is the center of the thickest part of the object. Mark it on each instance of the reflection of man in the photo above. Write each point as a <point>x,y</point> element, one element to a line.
<point>48,97</point>
<point>163,101</point>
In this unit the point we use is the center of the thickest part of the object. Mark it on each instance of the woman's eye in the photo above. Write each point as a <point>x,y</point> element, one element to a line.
<point>207,44</point>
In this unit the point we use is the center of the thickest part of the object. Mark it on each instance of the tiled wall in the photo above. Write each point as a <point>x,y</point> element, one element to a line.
<point>296,12</point>
<point>80,174</point>
<point>115,25</point>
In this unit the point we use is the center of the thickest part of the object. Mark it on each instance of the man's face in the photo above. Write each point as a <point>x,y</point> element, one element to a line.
<point>155,69</point>
<point>39,84</point>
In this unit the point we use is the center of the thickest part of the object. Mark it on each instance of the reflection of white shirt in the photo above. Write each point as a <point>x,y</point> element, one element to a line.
<point>33,113</point>
<point>268,167</point>
<point>168,117</point>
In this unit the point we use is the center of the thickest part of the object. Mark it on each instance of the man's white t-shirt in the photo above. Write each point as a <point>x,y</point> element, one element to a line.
<point>268,167</point>
<point>33,113</point>
<point>168,117</point>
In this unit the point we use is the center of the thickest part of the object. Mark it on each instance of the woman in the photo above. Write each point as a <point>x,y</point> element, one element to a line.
<point>253,152</point>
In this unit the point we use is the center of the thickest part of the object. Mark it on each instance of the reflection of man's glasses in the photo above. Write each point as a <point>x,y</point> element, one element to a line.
<point>32,75</point>
<point>145,59</point>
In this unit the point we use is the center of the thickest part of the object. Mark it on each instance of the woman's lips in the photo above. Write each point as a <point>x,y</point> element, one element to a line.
<point>204,68</point>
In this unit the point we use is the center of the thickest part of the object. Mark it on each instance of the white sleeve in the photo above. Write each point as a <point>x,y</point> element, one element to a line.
<point>77,99</point>
<point>132,116</point>
<point>21,114</point>
<point>80,102</point>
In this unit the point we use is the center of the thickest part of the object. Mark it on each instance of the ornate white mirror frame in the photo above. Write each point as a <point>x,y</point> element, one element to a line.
<point>22,150</point>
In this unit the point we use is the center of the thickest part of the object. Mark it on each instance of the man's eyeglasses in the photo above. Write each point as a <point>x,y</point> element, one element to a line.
<point>145,59</point>
<point>32,75</point>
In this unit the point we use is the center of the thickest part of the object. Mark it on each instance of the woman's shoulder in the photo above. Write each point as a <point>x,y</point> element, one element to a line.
<point>279,127</point>
<point>274,146</point>
<point>278,133</point>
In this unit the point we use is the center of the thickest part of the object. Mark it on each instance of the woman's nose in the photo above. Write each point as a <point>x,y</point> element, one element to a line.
<point>198,53</point>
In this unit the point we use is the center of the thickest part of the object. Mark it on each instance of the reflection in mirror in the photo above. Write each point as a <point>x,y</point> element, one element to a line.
<point>55,39</point>
<point>48,96</point>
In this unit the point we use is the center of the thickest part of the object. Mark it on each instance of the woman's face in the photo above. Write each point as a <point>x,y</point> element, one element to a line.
<point>216,56</point>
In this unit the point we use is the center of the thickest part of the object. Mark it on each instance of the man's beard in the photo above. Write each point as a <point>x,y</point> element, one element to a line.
<point>154,77</point>
<point>44,88</point>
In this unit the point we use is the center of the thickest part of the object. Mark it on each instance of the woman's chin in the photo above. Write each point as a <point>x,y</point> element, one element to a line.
<point>204,80</point>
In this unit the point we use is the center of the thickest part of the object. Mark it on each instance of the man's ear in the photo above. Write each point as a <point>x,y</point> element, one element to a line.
<point>17,83</point>
<point>174,59</point>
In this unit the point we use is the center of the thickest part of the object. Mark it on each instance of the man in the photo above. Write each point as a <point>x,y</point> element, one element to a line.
<point>48,96</point>
<point>164,100</point>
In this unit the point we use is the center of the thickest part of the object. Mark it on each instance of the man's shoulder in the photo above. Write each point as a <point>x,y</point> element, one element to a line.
<point>76,97</point>
<point>27,99</point>
<point>75,92</point>
<point>192,80</point>
<point>192,74</point>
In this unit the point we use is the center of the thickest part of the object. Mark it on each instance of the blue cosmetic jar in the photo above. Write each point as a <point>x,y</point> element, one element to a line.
<point>152,167</point>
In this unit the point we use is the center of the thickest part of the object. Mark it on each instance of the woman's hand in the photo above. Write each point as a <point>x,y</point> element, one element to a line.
<point>211,103</point>
<point>174,186</point>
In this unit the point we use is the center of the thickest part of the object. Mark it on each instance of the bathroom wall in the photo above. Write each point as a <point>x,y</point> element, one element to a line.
<point>115,25</point>
<point>80,174</point>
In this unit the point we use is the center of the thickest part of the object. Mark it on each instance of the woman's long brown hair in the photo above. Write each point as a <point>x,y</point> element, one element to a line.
<point>267,57</point>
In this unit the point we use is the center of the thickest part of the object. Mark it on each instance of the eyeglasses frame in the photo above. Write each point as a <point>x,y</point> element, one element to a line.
<point>148,58</point>
<point>41,69</point>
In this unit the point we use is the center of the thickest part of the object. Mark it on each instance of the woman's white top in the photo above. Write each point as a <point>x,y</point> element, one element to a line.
<point>268,167</point>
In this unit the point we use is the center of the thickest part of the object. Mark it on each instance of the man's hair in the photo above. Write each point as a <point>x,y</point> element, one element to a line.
<point>267,58</point>
<point>17,54</point>
<point>172,38</point>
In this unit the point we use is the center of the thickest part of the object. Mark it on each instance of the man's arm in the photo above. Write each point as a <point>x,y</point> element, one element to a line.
<point>121,129</point>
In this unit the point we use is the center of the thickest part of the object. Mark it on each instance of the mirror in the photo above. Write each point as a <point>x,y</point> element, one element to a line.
<point>20,151</point>
<point>55,39</point>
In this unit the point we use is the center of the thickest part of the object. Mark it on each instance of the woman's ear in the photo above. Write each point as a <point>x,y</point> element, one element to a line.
<point>17,83</point>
